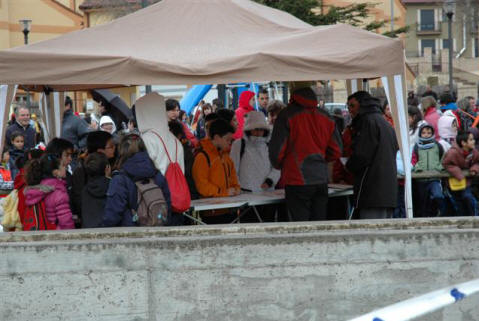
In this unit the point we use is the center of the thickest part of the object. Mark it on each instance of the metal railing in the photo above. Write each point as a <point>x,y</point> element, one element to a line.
<point>429,28</point>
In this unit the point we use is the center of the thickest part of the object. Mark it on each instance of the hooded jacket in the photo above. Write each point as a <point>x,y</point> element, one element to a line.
<point>108,120</point>
<point>304,140</point>
<point>93,201</point>
<point>243,108</point>
<point>453,110</point>
<point>57,205</point>
<point>444,126</point>
<point>213,178</point>
<point>74,129</point>
<point>151,117</point>
<point>122,192</point>
<point>373,160</point>
<point>427,153</point>
<point>254,167</point>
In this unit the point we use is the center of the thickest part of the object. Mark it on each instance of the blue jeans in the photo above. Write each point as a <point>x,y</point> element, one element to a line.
<point>469,202</point>
<point>430,199</point>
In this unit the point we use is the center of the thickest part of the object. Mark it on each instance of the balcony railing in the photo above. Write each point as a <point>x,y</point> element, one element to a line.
<point>428,29</point>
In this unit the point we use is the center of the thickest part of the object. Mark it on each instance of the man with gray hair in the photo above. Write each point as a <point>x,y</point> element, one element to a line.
<point>22,125</point>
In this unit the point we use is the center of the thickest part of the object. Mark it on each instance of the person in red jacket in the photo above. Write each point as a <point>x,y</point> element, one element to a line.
<point>304,140</point>
<point>246,103</point>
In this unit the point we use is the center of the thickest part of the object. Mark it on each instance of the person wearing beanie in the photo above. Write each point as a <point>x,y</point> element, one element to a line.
<point>427,156</point>
<point>373,158</point>
<point>107,124</point>
<point>250,155</point>
<point>304,140</point>
<point>447,128</point>
<point>246,103</point>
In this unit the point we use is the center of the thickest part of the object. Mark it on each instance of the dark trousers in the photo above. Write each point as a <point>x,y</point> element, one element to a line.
<point>375,213</point>
<point>469,202</point>
<point>430,199</point>
<point>400,210</point>
<point>307,202</point>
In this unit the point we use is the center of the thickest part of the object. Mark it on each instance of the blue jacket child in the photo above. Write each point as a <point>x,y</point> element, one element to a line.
<point>122,193</point>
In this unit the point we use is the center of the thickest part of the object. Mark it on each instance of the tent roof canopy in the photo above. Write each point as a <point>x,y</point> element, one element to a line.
<point>201,42</point>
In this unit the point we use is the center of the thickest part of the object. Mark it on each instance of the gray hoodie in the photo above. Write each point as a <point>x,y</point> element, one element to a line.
<point>254,167</point>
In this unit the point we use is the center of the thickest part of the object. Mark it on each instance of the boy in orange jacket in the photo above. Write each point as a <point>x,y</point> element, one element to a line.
<point>213,170</point>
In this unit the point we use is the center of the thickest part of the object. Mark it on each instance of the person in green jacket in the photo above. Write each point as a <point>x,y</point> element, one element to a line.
<point>427,156</point>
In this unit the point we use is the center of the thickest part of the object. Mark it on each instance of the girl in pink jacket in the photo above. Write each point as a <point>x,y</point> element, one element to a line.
<point>46,181</point>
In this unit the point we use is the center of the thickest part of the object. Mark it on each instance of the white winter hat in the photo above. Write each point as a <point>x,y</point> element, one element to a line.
<point>255,120</point>
<point>107,120</point>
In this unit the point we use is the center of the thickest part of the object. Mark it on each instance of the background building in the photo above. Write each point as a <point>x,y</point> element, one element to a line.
<point>50,19</point>
<point>380,10</point>
<point>427,45</point>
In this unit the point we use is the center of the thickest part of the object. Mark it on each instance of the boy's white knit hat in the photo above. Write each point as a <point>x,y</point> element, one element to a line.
<point>255,120</point>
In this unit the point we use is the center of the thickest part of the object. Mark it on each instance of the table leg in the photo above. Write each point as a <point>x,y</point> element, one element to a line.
<point>195,216</point>
<point>349,209</point>
<point>257,214</point>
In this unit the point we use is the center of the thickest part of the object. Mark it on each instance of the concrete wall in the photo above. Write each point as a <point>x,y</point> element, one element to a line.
<point>319,271</point>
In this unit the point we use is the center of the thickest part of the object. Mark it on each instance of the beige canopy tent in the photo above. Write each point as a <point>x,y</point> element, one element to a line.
<point>210,42</point>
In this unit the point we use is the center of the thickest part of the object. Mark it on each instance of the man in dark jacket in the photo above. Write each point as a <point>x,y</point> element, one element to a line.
<point>373,161</point>
<point>74,129</point>
<point>304,140</point>
<point>22,125</point>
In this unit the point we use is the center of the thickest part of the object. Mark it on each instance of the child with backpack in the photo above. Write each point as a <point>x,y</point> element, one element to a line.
<point>20,183</point>
<point>17,150</point>
<point>14,216</point>
<point>46,195</point>
<point>93,197</point>
<point>135,186</point>
<point>427,156</point>
<point>250,155</point>
<point>463,156</point>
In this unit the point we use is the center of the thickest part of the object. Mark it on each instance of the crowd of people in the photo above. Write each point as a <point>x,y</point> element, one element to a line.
<point>108,174</point>
<point>442,138</point>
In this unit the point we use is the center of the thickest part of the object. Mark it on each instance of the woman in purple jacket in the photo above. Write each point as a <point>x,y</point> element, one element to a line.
<point>46,181</point>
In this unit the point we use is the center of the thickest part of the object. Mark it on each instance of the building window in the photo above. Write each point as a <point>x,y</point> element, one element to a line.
<point>431,43</point>
<point>427,21</point>
<point>445,43</point>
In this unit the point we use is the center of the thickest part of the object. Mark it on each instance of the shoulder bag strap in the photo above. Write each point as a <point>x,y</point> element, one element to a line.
<point>166,150</point>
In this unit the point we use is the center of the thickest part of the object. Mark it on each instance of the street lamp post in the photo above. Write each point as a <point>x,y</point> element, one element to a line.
<point>26,24</point>
<point>449,7</point>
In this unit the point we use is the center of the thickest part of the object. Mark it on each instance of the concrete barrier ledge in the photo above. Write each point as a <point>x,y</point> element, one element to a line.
<point>336,227</point>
